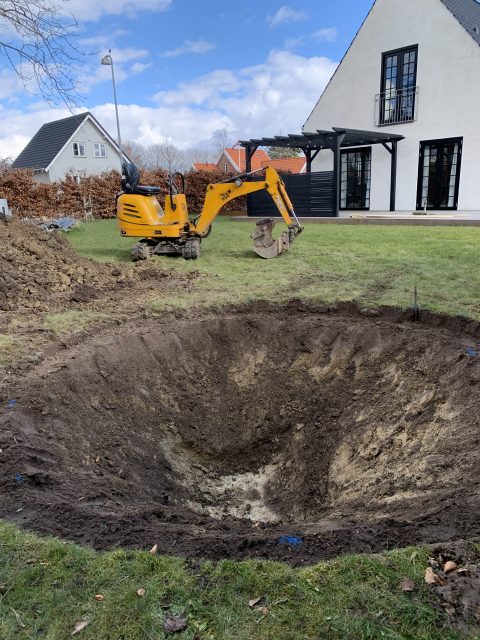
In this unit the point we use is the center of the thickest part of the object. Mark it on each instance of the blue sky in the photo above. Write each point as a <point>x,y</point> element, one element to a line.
<point>186,69</point>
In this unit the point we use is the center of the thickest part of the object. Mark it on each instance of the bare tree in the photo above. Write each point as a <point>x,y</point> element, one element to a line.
<point>200,154</point>
<point>221,139</point>
<point>38,42</point>
<point>137,153</point>
<point>165,156</point>
<point>282,152</point>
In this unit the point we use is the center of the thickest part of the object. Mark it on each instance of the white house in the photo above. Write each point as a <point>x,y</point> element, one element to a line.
<point>413,69</point>
<point>78,145</point>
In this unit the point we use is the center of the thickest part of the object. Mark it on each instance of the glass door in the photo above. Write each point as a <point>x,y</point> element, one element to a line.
<point>355,179</point>
<point>439,174</point>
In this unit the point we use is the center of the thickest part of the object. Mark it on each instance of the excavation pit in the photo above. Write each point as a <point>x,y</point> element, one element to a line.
<point>290,433</point>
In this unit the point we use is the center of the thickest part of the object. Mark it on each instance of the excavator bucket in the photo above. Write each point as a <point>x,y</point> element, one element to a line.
<point>265,245</point>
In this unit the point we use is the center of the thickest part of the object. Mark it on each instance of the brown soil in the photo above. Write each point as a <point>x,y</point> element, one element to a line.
<point>293,433</point>
<point>41,271</point>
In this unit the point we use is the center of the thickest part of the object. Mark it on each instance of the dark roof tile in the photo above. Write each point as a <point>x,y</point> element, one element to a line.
<point>467,12</point>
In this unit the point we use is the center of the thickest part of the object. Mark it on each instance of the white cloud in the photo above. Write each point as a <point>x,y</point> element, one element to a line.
<point>10,84</point>
<point>183,126</point>
<point>189,46</point>
<point>286,14</point>
<point>103,40</point>
<point>94,9</point>
<point>271,98</point>
<point>274,97</point>
<point>140,67</point>
<point>19,127</point>
<point>329,34</point>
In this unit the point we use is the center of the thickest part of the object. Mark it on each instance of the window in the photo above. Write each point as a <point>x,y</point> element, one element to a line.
<point>355,179</point>
<point>396,102</point>
<point>225,167</point>
<point>79,149</point>
<point>99,150</point>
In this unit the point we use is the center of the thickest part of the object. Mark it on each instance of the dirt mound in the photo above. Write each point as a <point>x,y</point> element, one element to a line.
<point>39,270</point>
<point>282,434</point>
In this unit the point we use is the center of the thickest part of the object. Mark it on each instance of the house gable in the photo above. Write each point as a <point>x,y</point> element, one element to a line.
<point>444,46</point>
<point>88,134</point>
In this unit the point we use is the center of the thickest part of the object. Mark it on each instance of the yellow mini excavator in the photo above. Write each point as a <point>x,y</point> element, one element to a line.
<point>171,231</point>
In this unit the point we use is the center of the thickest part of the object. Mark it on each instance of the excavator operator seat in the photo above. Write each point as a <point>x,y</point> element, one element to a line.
<point>130,180</point>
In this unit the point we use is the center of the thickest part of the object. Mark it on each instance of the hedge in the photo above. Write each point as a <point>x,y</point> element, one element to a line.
<point>30,199</point>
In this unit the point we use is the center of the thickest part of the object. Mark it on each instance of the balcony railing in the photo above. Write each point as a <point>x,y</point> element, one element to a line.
<point>395,106</point>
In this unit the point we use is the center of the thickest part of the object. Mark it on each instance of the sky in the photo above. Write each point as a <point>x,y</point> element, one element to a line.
<point>187,69</point>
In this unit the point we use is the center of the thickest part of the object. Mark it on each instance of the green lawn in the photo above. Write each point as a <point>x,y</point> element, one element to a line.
<point>376,265</point>
<point>47,587</point>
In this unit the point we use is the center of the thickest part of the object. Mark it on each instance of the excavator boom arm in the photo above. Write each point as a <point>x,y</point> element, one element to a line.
<point>220,193</point>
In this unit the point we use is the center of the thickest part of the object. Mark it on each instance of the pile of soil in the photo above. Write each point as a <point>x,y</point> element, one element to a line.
<point>41,270</point>
<point>293,433</point>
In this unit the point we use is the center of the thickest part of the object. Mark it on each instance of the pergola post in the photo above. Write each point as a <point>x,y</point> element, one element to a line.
<point>393,171</point>
<point>393,176</point>
<point>337,171</point>
<point>308,155</point>
<point>249,151</point>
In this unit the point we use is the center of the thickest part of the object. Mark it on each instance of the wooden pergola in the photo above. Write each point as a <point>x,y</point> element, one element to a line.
<point>311,143</point>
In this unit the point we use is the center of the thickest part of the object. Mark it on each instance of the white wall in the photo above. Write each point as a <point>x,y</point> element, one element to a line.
<point>448,77</point>
<point>66,161</point>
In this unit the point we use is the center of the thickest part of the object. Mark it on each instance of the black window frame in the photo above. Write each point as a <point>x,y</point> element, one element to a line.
<point>422,144</point>
<point>343,153</point>
<point>398,89</point>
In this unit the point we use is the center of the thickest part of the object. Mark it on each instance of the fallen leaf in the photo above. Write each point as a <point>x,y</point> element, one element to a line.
<point>97,459</point>
<point>254,601</point>
<point>174,624</point>
<point>263,610</point>
<point>80,626</point>
<point>154,549</point>
<point>449,609</point>
<point>99,597</point>
<point>462,571</point>
<point>450,566</point>
<point>44,563</point>
<point>407,585</point>
<point>430,576</point>
<point>141,593</point>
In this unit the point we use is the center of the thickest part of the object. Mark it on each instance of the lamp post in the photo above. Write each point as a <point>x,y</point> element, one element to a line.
<point>107,60</point>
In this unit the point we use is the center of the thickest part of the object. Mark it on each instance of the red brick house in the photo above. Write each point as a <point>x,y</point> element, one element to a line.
<point>233,161</point>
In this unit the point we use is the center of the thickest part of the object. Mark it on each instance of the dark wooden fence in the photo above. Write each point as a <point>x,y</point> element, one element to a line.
<point>311,195</point>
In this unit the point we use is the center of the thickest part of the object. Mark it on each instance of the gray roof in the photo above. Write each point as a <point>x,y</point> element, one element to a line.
<point>48,142</point>
<point>467,12</point>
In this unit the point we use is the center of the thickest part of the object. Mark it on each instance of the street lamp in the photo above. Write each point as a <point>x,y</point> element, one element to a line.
<point>107,60</point>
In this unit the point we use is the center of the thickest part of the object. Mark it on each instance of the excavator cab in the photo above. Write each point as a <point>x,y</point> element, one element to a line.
<point>171,231</point>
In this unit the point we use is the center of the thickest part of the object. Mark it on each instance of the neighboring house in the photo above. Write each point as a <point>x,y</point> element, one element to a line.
<point>413,69</point>
<point>233,161</point>
<point>78,145</point>
<point>288,165</point>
